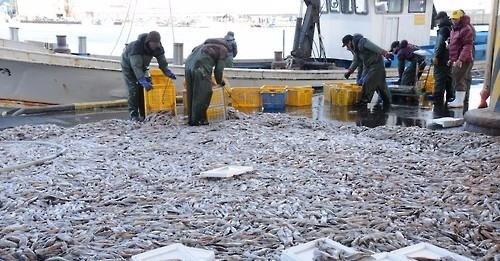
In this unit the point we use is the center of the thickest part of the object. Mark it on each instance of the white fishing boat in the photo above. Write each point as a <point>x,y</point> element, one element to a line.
<point>32,74</point>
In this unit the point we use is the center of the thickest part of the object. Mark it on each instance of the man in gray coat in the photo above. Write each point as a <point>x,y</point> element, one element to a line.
<point>135,61</point>
<point>370,55</point>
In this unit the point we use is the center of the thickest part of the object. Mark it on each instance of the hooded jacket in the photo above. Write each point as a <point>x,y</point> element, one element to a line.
<point>137,56</point>
<point>443,34</point>
<point>462,41</point>
<point>366,52</point>
<point>233,47</point>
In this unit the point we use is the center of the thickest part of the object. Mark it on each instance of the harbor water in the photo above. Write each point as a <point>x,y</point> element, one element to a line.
<point>253,42</point>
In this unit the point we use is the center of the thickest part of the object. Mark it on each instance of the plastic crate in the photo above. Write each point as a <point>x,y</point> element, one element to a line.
<point>216,113</point>
<point>345,95</point>
<point>157,76</point>
<point>160,98</point>
<point>273,100</point>
<point>299,95</point>
<point>246,97</point>
<point>218,97</point>
<point>331,86</point>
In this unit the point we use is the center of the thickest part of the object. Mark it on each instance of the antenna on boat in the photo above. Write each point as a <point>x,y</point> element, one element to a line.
<point>171,21</point>
<point>123,26</point>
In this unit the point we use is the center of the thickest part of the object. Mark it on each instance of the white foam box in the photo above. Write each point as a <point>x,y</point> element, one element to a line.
<point>430,251</point>
<point>226,172</point>
<point>389,257</point>
<point>448,122</point>
<point>176,251</point>
<point>305,252</point>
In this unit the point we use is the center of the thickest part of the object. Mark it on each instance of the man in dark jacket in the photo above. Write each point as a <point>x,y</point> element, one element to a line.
<point>198,70</point>
<point>461,47</point>
<point>233,49</point>
<point>370,55</point>
<point>406,52</point>
<point>442,72</point>
<point>135,61</point>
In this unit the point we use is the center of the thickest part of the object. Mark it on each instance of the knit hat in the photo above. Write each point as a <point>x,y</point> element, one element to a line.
<point>403,44</point>
<point>441,15</point>
<point>347,38</point>
<point>153,37</point>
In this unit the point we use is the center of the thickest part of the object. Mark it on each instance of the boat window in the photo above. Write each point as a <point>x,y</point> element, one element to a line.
<point>416,6</point>
<point>346,6</point>
<point>361,6</point>
<point>388,6</point>
<point>334,6</point>
<point>324,6</point>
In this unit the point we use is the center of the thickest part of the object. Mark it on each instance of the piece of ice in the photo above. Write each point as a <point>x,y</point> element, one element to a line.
<point>226,172</point>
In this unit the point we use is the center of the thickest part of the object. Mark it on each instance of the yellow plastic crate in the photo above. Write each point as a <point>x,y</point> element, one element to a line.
<point>299,95</point>
<point>216,113</point>
<point>218,97</point>
<point>225,89</point>
<point>157,76</point>
<point>332,86</point>
<point>160,98</point>
<point>345,95</point>
<point>246,97</point>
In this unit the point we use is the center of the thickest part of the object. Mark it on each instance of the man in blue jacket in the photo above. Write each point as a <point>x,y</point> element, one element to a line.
<point>135,61</point>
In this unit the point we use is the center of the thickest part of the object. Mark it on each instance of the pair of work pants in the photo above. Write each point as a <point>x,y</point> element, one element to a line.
<point>135,96</point>
<point>199,94</point>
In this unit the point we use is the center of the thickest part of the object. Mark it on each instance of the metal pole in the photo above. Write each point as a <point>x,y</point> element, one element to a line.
<point>82,45</point>
<point>283,52</point>
<point>14,33</point>
<point>178,53</point>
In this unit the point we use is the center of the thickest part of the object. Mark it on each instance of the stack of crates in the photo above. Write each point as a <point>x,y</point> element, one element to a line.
<point>246,97</point>
<point>299,95</point>
<point>345,94</point>
<point>273,97</point>
<point>162,96</point>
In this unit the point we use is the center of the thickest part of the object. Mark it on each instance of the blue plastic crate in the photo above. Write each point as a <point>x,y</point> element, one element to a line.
<point>273,100</point>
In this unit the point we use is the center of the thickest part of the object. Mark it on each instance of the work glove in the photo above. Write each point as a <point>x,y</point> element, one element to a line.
<point>348,74</point>
<point>361,80</point>
<point>222,83</point>
<point>389,56</point>
<point>171,75</point>
<point>144,82</point>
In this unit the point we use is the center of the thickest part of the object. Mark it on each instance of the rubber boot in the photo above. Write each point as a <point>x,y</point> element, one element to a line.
<point>459,100</point>
<point>484,96</point>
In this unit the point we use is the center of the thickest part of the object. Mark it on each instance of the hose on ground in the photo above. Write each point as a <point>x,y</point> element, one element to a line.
<point>61,151</point>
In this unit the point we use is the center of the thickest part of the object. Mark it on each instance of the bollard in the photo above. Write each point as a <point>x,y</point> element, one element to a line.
<point>278,56</point>
<point>178,53</point>
<point>61,47</point>
<point>14,33</point>
<point>82,45</point>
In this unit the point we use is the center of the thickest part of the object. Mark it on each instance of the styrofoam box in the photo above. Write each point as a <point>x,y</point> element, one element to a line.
<point>389,257</point>
<point>305,252</point>
<point>176,251</point>
<point>448,122</point>
<point>226,172</point>
<point>428,251</point>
